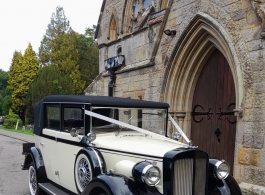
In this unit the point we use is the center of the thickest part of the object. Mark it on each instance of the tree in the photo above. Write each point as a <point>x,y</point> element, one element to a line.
<point>50,81</point>
<point>59,25</point>
<point>88,56</point>
<point>65,56</point>
<point>3,91</point>
<point>22,72</point>
<point>6,105</point>
<point>90,33</point>
<point>3,83</point>
<point>14,71</point>
<point>59,48</point>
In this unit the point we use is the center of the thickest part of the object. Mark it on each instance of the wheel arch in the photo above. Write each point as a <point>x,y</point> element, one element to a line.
<point>112,185</point>
<point>96,159</point>
<point>219,187</point>
<point>96,162</point>
<point>34,155</point>
<point>28,159</point>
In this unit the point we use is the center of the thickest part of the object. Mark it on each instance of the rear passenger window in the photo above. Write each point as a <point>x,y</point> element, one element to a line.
<point>53,116</point>
<point>73,118</point>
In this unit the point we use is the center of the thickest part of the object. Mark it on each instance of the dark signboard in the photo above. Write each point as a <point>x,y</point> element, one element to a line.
<point>114,62</point>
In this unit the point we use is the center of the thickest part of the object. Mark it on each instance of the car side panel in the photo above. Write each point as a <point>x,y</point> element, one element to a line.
<point>66,155</point>
<point>47,146</point>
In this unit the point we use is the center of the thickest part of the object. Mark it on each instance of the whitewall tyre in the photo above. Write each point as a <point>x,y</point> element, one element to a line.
<point>83,172</point>
<point>33,182</point>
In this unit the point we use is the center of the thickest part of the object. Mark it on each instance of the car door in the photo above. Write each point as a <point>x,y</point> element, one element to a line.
<point>48,143</point>
<point>67,145</point>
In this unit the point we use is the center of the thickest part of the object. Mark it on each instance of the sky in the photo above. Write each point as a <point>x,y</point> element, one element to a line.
<point>25,21</point>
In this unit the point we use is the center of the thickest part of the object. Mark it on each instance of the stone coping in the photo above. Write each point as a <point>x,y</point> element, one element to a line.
<point>251,189</point>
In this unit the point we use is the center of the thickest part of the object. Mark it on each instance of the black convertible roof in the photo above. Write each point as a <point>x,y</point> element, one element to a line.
<point>104,101</point>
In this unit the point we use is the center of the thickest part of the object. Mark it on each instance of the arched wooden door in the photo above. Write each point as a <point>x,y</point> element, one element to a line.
<point>213,126</point>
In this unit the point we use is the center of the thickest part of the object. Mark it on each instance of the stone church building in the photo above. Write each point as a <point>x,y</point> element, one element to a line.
<point>206,58</point>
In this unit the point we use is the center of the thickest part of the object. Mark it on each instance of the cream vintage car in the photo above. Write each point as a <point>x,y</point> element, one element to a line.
<point>96,145</point>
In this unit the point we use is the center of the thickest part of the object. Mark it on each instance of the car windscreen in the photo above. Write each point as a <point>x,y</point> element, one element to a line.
<point>153,120</point>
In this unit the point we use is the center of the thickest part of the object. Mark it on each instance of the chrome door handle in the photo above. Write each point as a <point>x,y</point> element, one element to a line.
<point>42,144</point>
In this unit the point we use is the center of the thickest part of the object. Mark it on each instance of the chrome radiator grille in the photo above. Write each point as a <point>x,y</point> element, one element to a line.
<point>184,174</point>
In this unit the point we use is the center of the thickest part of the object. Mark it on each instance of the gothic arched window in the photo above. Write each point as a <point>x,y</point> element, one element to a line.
<point>113,29</point>
<point>164,4</point>
<point>134,9</point>
<point>147,3</point>
<point>140,6</point>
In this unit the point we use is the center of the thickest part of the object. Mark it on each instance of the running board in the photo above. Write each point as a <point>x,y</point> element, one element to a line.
<point>51,189</point>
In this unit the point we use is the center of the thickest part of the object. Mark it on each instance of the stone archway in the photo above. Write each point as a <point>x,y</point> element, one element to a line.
<point>188,58</point>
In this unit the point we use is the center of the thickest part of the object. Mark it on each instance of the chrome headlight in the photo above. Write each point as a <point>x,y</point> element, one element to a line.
<point>147,173</point>
<point>91,137</point>
<point>151,175</point>
<point>221,170</point>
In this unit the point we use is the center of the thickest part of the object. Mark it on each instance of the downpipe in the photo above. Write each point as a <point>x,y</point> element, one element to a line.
<point>112,81</point>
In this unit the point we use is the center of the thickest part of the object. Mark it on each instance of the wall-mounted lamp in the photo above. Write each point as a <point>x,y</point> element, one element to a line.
<point>170,32</point>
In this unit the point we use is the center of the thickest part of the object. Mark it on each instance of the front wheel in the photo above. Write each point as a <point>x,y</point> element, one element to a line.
<point>83,172</point>
<point>33,182</point>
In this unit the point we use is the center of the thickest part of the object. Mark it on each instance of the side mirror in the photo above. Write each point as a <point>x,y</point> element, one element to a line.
<point>177,136</point>
<point>73,132</point>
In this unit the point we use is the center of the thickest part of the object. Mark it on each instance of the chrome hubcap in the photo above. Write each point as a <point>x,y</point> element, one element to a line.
<point>32,180</point>
<point>84,174</point>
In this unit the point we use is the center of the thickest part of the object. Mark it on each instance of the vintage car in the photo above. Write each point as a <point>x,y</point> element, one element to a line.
<point>98,145</point>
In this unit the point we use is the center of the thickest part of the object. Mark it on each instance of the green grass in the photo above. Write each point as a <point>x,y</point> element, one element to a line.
<point>19,130</point>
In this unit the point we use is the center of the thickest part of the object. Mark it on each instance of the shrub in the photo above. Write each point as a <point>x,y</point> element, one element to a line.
<point>11,121</point>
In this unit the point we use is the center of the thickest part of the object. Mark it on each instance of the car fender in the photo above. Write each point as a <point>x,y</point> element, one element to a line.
<point>112,185</point>
<point>34,155</point>
<point>96,158</point>
<point>222,187</point>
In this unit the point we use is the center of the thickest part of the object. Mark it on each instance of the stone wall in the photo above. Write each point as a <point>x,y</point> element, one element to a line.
<point>240,22</point>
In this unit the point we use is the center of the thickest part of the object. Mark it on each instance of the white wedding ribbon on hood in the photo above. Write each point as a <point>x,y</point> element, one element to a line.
<point>180,130</point>
<point>111,120</point>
